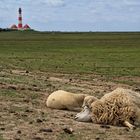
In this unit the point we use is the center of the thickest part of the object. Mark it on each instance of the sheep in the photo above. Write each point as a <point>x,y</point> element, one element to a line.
<point>65,100</point>
<point>119,107</point>
<point>84,115</point>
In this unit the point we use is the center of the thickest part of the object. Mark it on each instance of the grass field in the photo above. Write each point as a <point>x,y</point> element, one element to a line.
<point>34,64</point>
<point>101,53</point>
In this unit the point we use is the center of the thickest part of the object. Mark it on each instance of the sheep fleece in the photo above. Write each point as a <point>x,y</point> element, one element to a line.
<point>116,107</point>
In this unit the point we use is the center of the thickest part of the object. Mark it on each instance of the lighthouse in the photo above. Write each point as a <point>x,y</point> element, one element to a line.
<point>20,26</point>
<point>20,19</point>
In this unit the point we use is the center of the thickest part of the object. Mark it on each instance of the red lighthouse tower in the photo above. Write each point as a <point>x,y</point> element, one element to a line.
<point>20,26</point>
<point>20,19</point>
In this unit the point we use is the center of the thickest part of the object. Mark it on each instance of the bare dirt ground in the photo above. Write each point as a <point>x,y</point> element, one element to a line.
<point>24,116</point>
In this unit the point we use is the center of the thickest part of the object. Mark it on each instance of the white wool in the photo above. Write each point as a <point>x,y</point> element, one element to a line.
<point>121,106</point>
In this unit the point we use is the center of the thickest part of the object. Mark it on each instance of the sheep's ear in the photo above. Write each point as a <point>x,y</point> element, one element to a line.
<point>83,105</point>
<point>89,102</point>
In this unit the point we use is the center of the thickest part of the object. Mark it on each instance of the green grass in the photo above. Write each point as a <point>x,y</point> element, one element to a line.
<point>101,53</point>
<point>8,93</point>
<point>1,138</point>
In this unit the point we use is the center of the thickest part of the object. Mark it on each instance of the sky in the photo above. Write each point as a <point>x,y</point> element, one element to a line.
<point>73,15</point>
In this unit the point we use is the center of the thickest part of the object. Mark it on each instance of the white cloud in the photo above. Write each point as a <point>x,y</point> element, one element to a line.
<point>77,12</point>
<point>54,2</point>
<point>31,2</point>
<point>132,2</point>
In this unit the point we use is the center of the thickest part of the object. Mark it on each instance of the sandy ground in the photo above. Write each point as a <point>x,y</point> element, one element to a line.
<point>24,116</point>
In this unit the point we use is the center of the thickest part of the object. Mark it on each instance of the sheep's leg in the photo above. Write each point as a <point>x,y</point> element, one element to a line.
<point>129,125</point>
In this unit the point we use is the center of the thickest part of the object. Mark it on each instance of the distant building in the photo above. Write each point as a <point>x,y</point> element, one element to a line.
<point>26,27</point>
<point>14,27</point>
<point>20,26</point>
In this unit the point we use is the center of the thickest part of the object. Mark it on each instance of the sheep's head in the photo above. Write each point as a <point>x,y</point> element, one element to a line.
<point>88,100</point>
<point>84,115</point>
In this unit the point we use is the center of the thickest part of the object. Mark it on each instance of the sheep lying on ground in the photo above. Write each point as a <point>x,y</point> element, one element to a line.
<point>119,107</point>
<point>65,100</point>
<point>84,115</point>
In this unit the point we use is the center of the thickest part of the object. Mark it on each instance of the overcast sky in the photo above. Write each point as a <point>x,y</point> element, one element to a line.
<point>73,15</point>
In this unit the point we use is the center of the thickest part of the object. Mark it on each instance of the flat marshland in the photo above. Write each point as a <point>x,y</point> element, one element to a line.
<point>34,64</point>
<point>102,53</point>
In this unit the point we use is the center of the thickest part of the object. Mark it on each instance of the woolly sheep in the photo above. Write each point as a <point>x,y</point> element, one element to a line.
<point>119,107</point>
<point>65,100</point>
